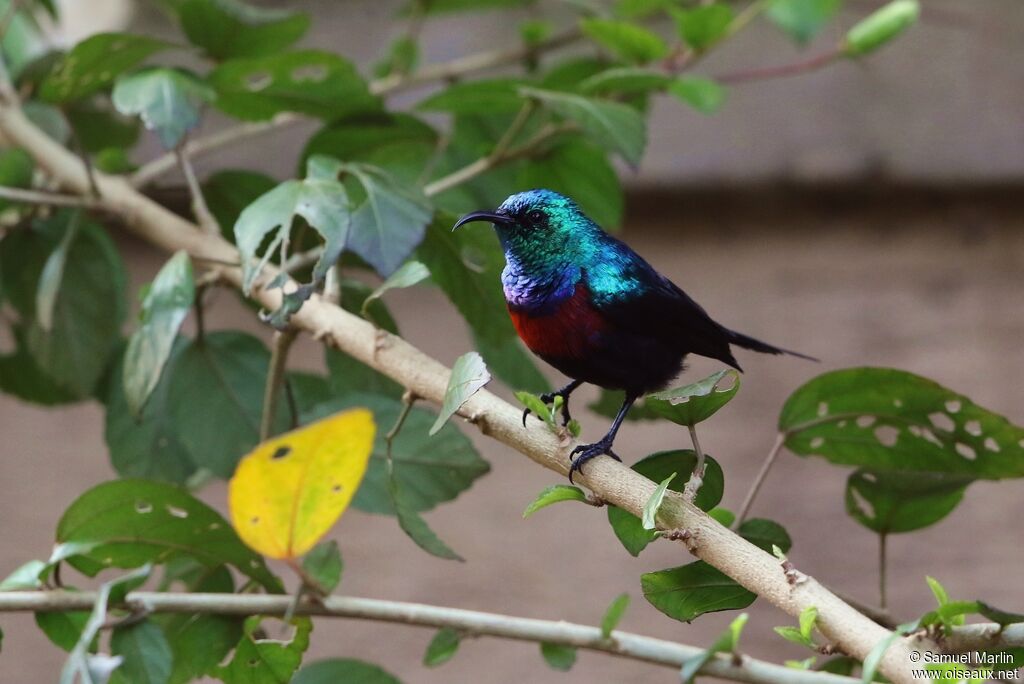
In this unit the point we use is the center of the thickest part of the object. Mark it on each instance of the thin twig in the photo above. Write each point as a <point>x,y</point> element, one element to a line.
<point>51,199</point>
<point>697,477</point>
<point>882,563</point>
<point>748,501</point>
<point>200,209</point>
<point>765,73</point>
<point>623,644</point>
<point>275,378</point>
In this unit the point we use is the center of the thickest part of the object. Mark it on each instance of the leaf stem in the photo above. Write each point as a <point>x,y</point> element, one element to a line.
<point>51,199</point>
<point>697,477</point>
<point>765,73</point>
<point>882,570</point>
<point>200,209</point>
<point>748,501</point>
<point>275,378</point>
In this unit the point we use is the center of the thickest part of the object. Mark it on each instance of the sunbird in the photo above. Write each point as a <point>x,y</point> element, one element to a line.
<point>594,309</point>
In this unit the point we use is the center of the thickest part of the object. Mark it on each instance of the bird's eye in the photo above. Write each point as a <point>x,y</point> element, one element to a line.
<point>534,217</point>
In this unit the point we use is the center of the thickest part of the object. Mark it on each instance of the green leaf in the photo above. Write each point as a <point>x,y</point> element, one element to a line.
<point>413,524</point>
<point>348,375</point>
<point>98,127</point>
<point>613,615</point>
<point>53,273</point>
<point>321,201</point>
<point>888,502</point>
<point>696,402</point>
<point>87,310</point>
<point>638,9</point>
<point>147,655</point>
<point>487,96</point>
<point>557,656</point>
<point>627,41</point>
<point>656,467</point>
<point>537,407</point>
<point>808,620</point>
<point>885,419</point>
<point>608,403</point>
<point>554,494</point>
<point>399,143</point>
<point>1001,617</point>
<point>612,125</point>
<point>343,670</point>
<point>469,375</point>
<point>228,192</point>
<point>702,27</point>
<point>93,64</point>
<point>316,83</point>
<point>654,503</point>
<point>168,100</point>
<point>409,274</point>
<point>429,470</point>
<point>261,660</point>
<point>442,647</point>
<point>579,169</point>
<point>323,563</point>
<point>432,7</point>
<point>64,630</point>
<point>148,446</point>
<point>727,642</point>
<point>467,265</point>
<point>625,81</point>
<point>723,516</point>
<point>765,534</point>
<point>793,635</point>
<point>15,171</point>
<point>167,302</point>
<point>880,27</point>
<point>688,591</point>
<point>401,58</point>
<point>126,523</point>
<point>703,94</point>
<point>802,19</point>
<point>230,28</point>
<point>939,591</point>
<point>26,576</point>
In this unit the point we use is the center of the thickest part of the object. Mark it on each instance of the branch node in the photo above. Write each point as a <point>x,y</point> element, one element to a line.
<point>793,576</point>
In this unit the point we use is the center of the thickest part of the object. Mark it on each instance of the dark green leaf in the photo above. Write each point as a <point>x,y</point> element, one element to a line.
<point>149,446</point>
<point>230,28</point>
<point>688,591</point>
<point>348,375</point>
<point>167,302</point>
<point>612,125</point>
<point>63,629</point>
<point>1001,617</point>
<point>613,615</point>
<point>147,655</point>
<point>126,523</point>
<point>402,57</point>
<point>880,27</point>
<point>724,516</point>
<point>608,403</point>
<point>625,80</point>
<point>703,94</point>
<point>557,656</point>
<point>320,84</point>
<point>469,375</point>
<point>93,64</point>
<point>345,670</point>
<point>442,647</point>
<point>581,170</point>
<point>15,171</point>
<point>429,470</point>
<point>765,534</point>
<point>702,27</point>
<point>262,660</point>
<point>656,467</point>
<point>168,100</point>
<point>323,563</point>
<point>802,19</point>
<point>22,377</point>
<point>888,502</point>
<point>413,524</point>
<point>571,73</point>
<point>409,274</point>
<point>446,6</point>
<point>696,402</point>
<point>627,41</point>
<point>488,96</point>
<point>99,127</point>
<point>554,494</point>
<point>467,266</point>
<point>227,193</point>
<point>216,396</point>
<point>886,419</point>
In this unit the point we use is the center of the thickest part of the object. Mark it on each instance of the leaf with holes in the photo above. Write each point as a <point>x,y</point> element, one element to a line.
<point>127,523</point>
<point>696,402</point>
<point>613,125</point>
<point>893,502</point>
<point>93,64</point>
<point>625,40</point>
<point>886,419</point>
<point>230,28</point>
<point>469,375</point>
<point>291,490</point>
<point>629,529</point>
<point>313,82</point>
<point>168,100</point>
<point>167,302</point>
<point>260,659</point>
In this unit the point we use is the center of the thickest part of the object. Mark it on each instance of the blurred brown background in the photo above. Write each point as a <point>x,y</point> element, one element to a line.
<point>869,214</point>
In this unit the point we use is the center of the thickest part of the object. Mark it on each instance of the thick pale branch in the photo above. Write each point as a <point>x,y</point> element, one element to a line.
<point>984,637</point>
<point>472,622</point>
<point>612,482</point>
<point>49,199</point>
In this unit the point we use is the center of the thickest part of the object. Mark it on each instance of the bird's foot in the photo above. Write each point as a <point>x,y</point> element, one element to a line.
<point>549,399</point>
<point>584,452</point>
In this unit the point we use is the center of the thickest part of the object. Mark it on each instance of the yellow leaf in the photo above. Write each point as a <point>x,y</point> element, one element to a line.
<point>291,489</point>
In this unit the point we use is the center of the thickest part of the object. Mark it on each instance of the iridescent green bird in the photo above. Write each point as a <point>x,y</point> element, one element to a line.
<point>596,310</point>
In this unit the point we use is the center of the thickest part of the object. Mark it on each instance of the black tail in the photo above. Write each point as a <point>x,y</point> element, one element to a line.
<point>750,343</point>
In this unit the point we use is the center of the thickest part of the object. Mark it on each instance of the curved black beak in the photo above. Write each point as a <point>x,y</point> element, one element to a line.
<point>488,216</point>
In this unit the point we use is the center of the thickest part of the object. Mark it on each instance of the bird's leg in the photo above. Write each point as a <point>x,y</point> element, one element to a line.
<point>604,445</point>
<point>549,398</point>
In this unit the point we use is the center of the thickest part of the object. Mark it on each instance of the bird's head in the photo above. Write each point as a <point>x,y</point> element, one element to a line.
<point>534,218</point>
